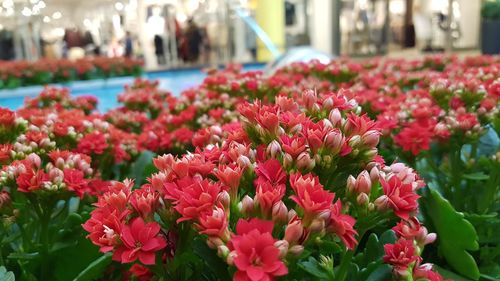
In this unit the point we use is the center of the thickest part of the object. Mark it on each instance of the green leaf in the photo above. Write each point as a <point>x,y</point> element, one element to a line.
<point>476,176</point>
<point>312,267</point>
<point>213,261</point>
<point>95,269</point>
<point>6,275</point>
<point>456,235</point>
<point>448,274</point>
<point>9,276</point>
<point>381,273</point>
<point>23,256</point>
<point>142,167</point>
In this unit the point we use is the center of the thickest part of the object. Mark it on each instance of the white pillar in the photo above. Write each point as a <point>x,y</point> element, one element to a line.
<point>320,29</point>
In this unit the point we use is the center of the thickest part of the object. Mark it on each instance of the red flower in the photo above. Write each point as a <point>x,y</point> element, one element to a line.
<point>93,143</point>
<point>140,241</point>
<point>342,225</point>
<point>270,171</point>
<point>31,180</point>
<point>75,181</point>
<point>214,224</point>
<point>256,256</point>
<point>310,195</point>
<point>294,145</point>
<point>5,150</point>
<point>268,194</point>
<point>145,200</point>
<point>414,138</point>
<point>7,117</point>
<point>141,272</point>
<point>230,177</point>
<point>401,254</point>
<point>104,227</point>
<point>399,196</point>
<point>192,197</point>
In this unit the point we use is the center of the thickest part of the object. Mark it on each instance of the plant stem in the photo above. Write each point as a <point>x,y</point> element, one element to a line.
<point>44,240</point>
<point>344,265</point>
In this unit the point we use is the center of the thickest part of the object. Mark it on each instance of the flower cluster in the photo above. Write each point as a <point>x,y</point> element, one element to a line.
<point>20,73</point>
<point>278,186</point>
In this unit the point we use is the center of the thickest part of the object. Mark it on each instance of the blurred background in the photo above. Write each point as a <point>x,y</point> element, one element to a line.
<point>179,33</point>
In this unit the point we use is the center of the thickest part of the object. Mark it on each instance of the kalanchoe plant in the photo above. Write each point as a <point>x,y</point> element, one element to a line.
<point>295,195</point>
<point>44,192</point>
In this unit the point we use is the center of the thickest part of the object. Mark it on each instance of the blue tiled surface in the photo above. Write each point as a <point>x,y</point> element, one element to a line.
<point>106,90</point>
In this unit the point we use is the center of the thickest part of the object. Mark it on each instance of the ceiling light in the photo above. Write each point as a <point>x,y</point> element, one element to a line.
<point>57,15</point>
<point>41,4</point>
<point>26,12</point>
<point>119,6</point>
<point>8,4</point>
<point>34,1</point>
<point>46,19</point>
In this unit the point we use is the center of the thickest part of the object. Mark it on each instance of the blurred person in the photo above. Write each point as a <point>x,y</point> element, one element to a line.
<point>194,40</point>
<point>129,45</point>
<point>159,49</point>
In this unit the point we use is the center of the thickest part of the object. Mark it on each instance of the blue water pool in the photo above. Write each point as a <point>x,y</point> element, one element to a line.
<point>106,91</point>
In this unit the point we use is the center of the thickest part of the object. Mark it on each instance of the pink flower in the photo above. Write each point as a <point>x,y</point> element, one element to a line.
<point>256,256</point>
<point>214,224</point>
<point>414,138</point>
<point>310,195</point>
<point>399,196</point>
<point>230,176</point>
<point>195,197</point>
<point>145,200</point>
<point>400,255</point>
<point>93,143</point>
<point>31,180</point>
<point>104,227</point>
<point>75,181</point>
<point>7,117</point>
<point>270,171</point>
<point>342,225</point>
<point>140,241</point>
<point>412,229</point>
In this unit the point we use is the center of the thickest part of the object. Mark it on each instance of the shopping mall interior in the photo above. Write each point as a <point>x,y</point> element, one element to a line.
<point>170,34</point>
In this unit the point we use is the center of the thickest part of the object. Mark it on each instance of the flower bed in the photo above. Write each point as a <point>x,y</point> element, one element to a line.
<point>347,171</point>
<point>15,74</point>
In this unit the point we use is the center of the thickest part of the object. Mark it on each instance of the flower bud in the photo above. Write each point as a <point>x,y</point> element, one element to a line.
<point>294,231</point>
<point>279,212</point>
<point>214,242</point>
<point>374,174</point>
<point>363,182</point>
<point>362,199</point>
<point>282,246</point>
<point>243,161</point>
<point>335,116</point>
<point>309,98</point>
<point>231,257</point>
<point>354,141</point>
<point>304,161</point>
<point>273,149</point>
<point>291,214</point>
<point>287,161</point>
<point>351,184</point>
<point>334,141</point>
<point>317,225</point>
<point>223,251</point>
<point>296,250</point>
<point>371,138</point>
<point>224,199</point>
<point>382,203</point>
<point>35,159</point>
<point>247,205</point>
